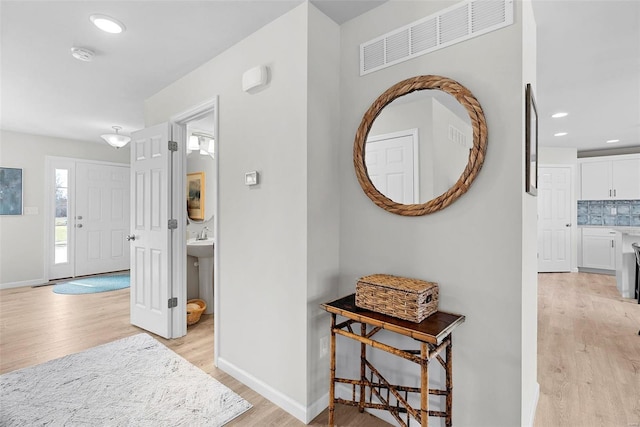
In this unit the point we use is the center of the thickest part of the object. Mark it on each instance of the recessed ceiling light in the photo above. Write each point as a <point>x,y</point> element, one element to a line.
<point>558,115</point>
<point>560,134</point>
<point>611,141</point>
<point>107,24</point>
<point>81,53</point>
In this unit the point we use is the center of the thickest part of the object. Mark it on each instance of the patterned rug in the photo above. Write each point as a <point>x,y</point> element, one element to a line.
<point>135,381</point>
<point>91,285</point>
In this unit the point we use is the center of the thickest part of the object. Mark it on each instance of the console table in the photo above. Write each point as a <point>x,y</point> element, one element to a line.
<point>433,335</point>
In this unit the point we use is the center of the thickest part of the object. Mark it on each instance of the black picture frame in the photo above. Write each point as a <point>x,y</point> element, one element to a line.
<point>531,142</point>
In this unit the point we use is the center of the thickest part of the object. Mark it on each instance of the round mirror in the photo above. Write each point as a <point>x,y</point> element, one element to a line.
<point>420,145</point>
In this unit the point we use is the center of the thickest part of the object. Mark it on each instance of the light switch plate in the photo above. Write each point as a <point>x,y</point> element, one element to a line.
<point>251,178</point>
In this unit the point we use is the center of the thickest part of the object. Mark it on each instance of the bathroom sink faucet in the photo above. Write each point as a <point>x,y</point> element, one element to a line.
<point>203,234</point>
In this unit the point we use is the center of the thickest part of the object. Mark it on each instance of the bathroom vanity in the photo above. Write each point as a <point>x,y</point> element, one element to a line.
<point>202,249</point>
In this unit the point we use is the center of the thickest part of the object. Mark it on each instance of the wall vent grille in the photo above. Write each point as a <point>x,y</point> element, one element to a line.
<point>454,24</point>
<point>458,137</point>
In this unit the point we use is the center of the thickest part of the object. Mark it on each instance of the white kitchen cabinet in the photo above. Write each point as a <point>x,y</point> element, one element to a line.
<point>610,178</point>
<point>598,248</point>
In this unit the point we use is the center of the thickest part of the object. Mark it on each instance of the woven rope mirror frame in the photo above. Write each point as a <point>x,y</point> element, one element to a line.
<point>476,153</point>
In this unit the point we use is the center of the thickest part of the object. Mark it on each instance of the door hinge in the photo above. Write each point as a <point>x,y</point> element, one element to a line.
<point>173,146</point>
<point>173,302</point>
<point>172,224</point>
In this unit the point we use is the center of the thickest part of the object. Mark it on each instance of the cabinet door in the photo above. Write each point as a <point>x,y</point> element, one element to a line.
<point>596,180</point>
<point>626,178</point>
<point>598,251</point>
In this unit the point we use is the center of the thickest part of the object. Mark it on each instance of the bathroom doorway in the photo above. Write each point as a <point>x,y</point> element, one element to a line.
<point>199,127</point>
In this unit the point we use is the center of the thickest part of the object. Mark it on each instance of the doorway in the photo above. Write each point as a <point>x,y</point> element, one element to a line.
<point>555,225</point>
<point>202,122</point>
<point>87,217</point>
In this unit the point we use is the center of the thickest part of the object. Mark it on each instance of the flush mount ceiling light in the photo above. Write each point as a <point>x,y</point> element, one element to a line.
<point>82,53</point>
<point>559,115</point>
<point>115,139</point>
<point>612,141</point>
<point>107,24</point>
<point>560,134</point>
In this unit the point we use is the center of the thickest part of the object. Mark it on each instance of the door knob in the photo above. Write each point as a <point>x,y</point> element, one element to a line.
<point>568,225</point>
<point>78,225</point>
<point>131,237</point>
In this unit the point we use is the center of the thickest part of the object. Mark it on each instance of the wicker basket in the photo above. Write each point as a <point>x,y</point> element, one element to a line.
<point>408,299</point>
<point>195,308</point>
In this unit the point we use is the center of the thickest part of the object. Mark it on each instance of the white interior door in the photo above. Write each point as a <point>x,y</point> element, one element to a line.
<point>391,166</point>
<point>150,234</point>
<point>102,218</point>
<point>554,219</point>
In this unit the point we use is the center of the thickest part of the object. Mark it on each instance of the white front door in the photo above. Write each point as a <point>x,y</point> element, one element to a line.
<point>102,218</point>
<point>150,236</point>
<point>554,219</point>
<point>391,165</point>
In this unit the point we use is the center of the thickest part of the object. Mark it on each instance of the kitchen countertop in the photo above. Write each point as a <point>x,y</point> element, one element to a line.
<point>622,229</point>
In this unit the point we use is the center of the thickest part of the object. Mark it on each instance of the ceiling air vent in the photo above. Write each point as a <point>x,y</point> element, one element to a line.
<point>452,25</point>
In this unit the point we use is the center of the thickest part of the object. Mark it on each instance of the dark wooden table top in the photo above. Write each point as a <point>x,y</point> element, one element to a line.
<point>433,329</point>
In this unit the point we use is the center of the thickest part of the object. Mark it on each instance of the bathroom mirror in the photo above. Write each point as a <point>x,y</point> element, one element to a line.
<point>200,176</point>
<point>420,145</point>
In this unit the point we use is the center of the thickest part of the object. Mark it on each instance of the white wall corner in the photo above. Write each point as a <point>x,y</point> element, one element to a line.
<point>278,398</point>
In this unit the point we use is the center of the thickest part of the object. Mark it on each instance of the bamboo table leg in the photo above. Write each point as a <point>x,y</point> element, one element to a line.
<point>424,385</point>
<point>332,370</point>
<point>363,358</point>
<point>449,383</point>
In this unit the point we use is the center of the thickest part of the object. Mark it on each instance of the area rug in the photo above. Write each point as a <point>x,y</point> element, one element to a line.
<point>91,285</point>
<point>135,381</point>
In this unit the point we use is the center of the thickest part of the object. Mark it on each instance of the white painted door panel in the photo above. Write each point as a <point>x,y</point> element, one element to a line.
<point>596,180</point>
<point>151,249</point>
<point>554,219</point>
<point>102,218</point>
<point>390,161</point>
<point>625,176</point>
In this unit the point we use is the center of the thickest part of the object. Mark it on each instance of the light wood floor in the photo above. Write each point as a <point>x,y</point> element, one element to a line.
<point>37,325</point>
<point>588,353</point>
<point>588,349</point>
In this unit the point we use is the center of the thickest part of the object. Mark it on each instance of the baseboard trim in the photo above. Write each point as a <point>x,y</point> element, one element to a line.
<point>285,402</point>
<point>317,407</point>
<point>536,397</point>
<point>21,284</point>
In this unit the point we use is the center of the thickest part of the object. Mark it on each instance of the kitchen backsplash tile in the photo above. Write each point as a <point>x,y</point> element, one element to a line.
<point>609,212</point>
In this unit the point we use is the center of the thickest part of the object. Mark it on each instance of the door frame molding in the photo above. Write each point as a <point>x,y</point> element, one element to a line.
<point>179,121</point>
<point>574,212</point>
<point>49,216</point>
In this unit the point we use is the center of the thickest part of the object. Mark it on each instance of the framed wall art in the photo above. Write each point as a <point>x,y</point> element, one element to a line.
<point>195,195</point>
<point>10,191</point>
<point>531,142</point>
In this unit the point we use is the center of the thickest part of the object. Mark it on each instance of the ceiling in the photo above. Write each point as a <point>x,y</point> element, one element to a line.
<point>588,62</point>
<point>588,66</point>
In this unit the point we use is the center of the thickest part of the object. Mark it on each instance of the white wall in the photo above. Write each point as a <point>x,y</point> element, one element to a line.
<point>22,242</point>
<point>277,241</point>
<point>323,215</point>
<point>529,298</point>
<point>473,248</point>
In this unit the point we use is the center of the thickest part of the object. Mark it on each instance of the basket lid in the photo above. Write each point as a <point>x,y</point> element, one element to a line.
<point>396,282</point>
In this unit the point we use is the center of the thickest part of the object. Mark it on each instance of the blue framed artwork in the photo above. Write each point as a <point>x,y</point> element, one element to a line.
<point>10,191</point>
